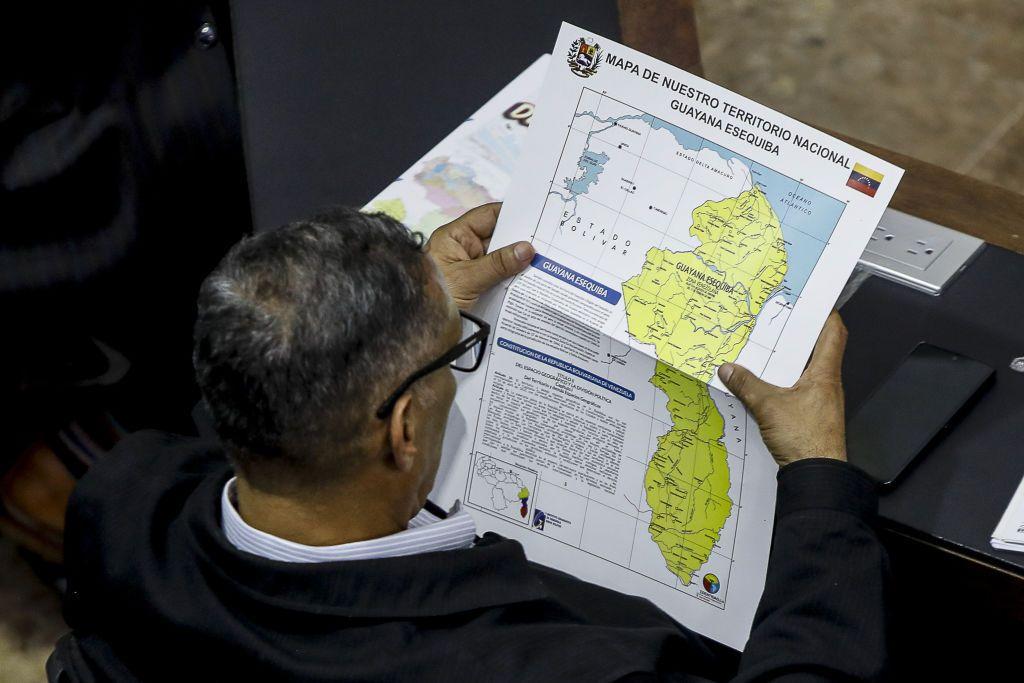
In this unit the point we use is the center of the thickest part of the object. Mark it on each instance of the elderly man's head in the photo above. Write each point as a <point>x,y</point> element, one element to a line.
<point>304,331</point>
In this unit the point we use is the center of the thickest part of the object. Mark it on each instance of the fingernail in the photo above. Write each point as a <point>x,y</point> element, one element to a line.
<point>725,371</point>
<point>523,251</point>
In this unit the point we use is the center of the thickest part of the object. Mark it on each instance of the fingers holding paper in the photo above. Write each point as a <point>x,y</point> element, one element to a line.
<point>805,420</point>
<point>460,250</point>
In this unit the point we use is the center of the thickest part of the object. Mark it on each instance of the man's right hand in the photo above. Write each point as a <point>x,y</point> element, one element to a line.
<point>806,420</point>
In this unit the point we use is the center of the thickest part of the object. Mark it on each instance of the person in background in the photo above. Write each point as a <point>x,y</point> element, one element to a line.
<point>122,182</point>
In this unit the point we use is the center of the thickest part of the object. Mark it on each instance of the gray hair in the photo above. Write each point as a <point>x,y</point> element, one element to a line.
<point>301,331</point>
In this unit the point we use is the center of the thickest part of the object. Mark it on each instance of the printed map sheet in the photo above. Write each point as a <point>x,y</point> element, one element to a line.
<point>678,226</point>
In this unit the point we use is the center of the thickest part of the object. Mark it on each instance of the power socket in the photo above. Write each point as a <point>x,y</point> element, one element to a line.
<point>904,244</point>
<point>918,253</point>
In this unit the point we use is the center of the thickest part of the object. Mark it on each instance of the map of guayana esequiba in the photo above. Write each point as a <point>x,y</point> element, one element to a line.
<point>728,246</point>
<point>697,308</point>
<point>695,301</point>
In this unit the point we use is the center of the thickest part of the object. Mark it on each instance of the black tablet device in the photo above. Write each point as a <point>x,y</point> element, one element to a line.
<point>912,408</point>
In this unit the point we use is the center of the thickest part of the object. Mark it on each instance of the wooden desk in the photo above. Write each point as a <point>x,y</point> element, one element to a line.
<point>956,201</point>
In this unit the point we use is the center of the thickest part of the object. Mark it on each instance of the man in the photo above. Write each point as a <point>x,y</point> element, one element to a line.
<point>321,350</point>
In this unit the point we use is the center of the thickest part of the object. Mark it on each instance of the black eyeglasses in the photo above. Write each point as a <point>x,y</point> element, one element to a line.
<point>464,357</point>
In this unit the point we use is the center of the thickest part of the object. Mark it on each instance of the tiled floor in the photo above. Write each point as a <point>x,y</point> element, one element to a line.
<point>30,620</point>
<point>942,80</point>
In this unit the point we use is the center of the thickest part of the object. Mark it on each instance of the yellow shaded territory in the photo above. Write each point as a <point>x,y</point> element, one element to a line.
<point>687,478</point>
<point>699,307</point>
<point>392,207</point>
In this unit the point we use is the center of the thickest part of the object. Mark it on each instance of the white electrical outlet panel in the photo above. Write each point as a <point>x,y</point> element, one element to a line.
<point>918,253</point>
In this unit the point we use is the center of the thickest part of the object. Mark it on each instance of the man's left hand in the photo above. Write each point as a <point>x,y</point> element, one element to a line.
<point>460,251</point>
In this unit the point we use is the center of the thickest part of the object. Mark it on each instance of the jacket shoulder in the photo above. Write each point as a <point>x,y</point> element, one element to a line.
<point>150,456</point>
<point>129,499</point>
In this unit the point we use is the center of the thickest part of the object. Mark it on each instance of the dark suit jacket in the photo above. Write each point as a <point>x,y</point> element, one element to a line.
<point>157,592</point>
<point>122,184</point>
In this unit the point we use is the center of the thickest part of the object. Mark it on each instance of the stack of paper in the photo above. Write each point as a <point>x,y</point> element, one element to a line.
<point>472,166</point>
<point>1009,533</point>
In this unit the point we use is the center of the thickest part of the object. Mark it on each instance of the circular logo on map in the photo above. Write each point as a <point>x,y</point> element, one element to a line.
<point>711,583</point>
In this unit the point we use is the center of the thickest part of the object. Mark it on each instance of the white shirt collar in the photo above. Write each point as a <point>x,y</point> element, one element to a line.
<point>426,533</point>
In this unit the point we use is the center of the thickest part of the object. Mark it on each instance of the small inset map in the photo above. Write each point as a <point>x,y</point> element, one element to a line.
<point>504,488</point>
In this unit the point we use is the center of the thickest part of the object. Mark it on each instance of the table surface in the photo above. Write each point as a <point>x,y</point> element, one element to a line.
<point>954,494</point>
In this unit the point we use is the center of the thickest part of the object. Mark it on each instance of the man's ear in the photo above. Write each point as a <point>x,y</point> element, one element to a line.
<point>401,430</point>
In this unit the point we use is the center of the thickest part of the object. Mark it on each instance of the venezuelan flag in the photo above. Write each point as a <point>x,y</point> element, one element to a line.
<point>865,180</point>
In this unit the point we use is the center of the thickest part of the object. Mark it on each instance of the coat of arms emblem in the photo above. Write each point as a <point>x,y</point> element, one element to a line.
<point>584,57</point>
